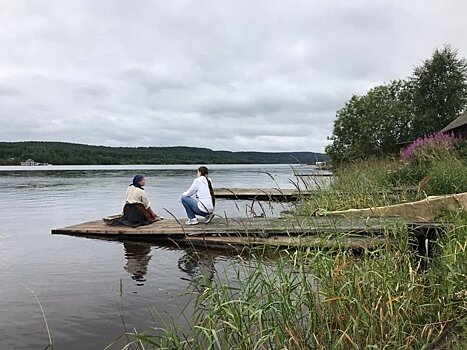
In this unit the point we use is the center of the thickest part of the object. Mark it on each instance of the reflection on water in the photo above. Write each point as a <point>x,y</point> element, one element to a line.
<point>137,256</point>
<point>194,263</point>
<point>197,264</point>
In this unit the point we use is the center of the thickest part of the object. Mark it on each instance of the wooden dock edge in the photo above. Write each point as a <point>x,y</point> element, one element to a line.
<point>278,232</point>
<point>343,241</point>
<point>263,194</point>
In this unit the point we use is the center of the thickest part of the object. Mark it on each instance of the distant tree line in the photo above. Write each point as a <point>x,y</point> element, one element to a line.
<point>60,153</point>
<point>380,122</point>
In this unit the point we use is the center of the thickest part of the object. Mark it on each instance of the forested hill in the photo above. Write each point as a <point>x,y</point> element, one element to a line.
<point>61,153</point>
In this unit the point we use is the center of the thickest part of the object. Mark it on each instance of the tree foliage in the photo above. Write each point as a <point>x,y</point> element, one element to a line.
<point>376,124</point>
<point>373,124</point>
<point>61,153</point>
<point>440,91</point>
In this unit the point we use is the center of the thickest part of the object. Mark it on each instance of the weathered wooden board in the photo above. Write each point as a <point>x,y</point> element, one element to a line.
<point>231,226</point>
<point>353,233</point>
<point>262,193</point>
<point>337,241</point>
<point>427,209</point>
<point>314,174</point>
<point>288,194</point>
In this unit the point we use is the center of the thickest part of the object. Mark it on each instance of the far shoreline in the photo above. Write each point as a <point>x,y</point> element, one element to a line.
<point>213,166</point>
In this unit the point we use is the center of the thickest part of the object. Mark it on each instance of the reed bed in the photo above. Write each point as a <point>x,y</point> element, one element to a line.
<point>379,182</point>
<point>332,299</point>
<point>385,298</point>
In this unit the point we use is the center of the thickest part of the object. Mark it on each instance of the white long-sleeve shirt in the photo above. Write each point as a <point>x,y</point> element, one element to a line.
<point>137,195</point>
<point>200,187</point>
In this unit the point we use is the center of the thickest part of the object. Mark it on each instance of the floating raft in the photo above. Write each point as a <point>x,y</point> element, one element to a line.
<point>310,231</point>
<point>262,193</point>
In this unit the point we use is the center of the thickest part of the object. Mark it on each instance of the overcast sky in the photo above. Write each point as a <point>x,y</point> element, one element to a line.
<point>235,75</point>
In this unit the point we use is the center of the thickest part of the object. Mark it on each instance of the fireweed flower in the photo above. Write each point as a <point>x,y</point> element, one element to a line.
<point>437,141</point>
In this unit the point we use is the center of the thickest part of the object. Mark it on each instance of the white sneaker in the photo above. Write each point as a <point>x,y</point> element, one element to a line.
<point>208,218</point>
<point>192,222</point>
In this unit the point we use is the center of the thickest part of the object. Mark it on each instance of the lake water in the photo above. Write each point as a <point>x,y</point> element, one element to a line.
<point>78,280</point>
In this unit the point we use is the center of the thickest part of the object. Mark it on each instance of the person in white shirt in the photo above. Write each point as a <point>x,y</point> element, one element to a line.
<point>137,210</point>
<point>205,202</point>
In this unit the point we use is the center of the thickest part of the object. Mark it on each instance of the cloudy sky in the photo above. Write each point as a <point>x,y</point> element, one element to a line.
<point>236,75</point>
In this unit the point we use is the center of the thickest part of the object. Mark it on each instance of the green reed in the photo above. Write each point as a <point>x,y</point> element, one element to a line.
<point>331,299</point>
<point>379,182</point>
<point>312,298</point>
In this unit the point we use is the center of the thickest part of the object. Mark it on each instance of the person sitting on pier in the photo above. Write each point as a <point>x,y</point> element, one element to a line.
<point>204,205</point>
<point>137,209</point>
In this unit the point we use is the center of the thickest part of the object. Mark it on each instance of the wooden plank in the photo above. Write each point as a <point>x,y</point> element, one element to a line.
<point>262,193</point>
<point>423,210</point>
<point>285,194</point>
<point>239,227</point>
<point>345,241</point>
<point>328,232</point>
<point>314,174</point>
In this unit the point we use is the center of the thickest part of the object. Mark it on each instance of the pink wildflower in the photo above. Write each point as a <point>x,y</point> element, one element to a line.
<point>439,140</point>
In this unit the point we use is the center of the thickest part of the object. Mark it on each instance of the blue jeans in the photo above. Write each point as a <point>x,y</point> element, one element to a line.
<point>191,207</point>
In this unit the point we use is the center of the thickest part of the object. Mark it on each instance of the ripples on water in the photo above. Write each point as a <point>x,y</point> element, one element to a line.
<point>78,280</point>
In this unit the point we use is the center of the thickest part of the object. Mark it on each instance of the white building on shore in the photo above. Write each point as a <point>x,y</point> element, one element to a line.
<point>31,162</point>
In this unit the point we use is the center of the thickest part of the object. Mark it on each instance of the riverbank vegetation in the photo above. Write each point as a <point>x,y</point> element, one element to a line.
<point>433,165</point>
<point>410,293</point>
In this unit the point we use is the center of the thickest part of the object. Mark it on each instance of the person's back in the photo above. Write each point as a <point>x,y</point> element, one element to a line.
<point>204,206</point>
<point>200,187</point>
<point>137,195</point>
<point>137,209</point>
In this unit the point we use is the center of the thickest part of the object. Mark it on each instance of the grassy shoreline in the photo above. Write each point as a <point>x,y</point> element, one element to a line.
<point>323,299</point>
<point>386,298</point>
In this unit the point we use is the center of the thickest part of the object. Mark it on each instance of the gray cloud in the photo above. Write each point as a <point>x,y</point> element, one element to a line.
<point>238,75</point>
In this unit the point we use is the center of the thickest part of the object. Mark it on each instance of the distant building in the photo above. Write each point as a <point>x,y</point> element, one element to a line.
<point>30,162</point>
<point>458,126</point>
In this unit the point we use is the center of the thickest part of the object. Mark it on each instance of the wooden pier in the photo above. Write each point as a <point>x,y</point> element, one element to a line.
<point>309,231</point>
<point>287,195</point>
<point>314,175</point>
<point>276,194</point>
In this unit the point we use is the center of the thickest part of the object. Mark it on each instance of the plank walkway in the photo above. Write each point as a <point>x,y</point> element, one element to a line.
<point>311,231</point>
<point>343,241</point>
<point>284,195</point>
<point>263,193</point>
<point>314,174</point>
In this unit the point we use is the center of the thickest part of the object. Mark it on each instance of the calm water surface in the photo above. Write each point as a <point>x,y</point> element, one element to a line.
<point>78,280</point>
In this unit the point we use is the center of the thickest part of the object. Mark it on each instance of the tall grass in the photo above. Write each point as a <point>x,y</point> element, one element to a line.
<point>447,280</point>
<point>385,298</point>
<point>332,299</point>
<point>360,185</point>
<point>379,182</point>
